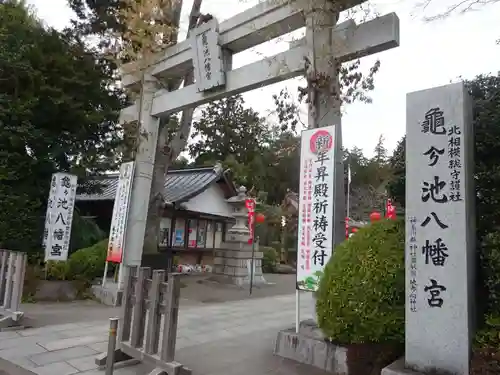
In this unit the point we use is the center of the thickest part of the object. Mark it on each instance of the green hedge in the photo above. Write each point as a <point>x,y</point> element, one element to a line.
<point>488,335</point>
<point>84,265</point>
<point>490,271</point>
<point>88,264</point>
<point>84,232</point>
<point>361,296</point>
<point>269,260</point>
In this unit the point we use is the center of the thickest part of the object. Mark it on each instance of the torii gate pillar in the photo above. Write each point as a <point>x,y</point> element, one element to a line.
<point>325,101</point>
<point>325,107</point>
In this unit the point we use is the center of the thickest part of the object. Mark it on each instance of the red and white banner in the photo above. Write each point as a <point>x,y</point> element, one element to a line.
<point>315,224</point>
<point>250,205</point>
<point>390,210</point>
<point>346,228</point>
<point>120,212</point>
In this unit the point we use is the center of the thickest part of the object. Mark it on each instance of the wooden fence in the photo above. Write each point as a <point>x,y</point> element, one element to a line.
<point>148,322</point>
<point>12,271</point>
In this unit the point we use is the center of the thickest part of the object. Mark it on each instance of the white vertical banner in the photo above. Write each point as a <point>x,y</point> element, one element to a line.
<point>60,207</point>
<point>316,199</point>
<point>120,213</point>
<point>49,213</point>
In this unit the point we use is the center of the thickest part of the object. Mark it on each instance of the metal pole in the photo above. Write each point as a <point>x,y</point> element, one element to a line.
<point>283,240</point>
<point>110,360</point>
<point>253,251</point>
<point>348,194</point>
<point>105,274</point>
<point>348,190</point>
<point>297,310</point>
<point>120,276</point>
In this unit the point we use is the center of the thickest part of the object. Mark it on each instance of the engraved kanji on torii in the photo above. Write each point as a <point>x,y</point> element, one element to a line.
<point>209,51</point>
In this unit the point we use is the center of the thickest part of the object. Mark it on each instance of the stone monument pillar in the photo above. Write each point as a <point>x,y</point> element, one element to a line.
<point>233,261</point>
<point>440,232</point>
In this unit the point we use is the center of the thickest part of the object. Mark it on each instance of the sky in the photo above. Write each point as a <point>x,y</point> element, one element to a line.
<point>430,54</point>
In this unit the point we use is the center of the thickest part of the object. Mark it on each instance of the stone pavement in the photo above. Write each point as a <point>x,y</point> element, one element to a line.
<point>231,338</point>
<point>195,291</point>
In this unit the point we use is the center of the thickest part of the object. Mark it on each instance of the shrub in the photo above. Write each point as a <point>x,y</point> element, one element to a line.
<point>488,336</point>
<point>361,296</point>
<point>84,265</point>
<point>488,296</point>
<point>269,260</point>
<point>490,271</point>
<point>276,245</point>
<point>57,270</point>
<point>34,273</point>
<point>84,232</point>
<point>88,264</point>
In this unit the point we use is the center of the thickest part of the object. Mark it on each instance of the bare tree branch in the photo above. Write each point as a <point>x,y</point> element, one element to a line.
<point>461,7</point>
<point>180,139</point>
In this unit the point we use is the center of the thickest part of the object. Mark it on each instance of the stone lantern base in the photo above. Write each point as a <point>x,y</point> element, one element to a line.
<point>232,265</point>
<point>233,261</point>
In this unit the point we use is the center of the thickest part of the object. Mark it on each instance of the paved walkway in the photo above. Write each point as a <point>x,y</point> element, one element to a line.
<point>196,291</point>
<point>224,339</point>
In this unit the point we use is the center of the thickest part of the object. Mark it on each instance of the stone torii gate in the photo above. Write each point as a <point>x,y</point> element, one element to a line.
<point>209,51</point>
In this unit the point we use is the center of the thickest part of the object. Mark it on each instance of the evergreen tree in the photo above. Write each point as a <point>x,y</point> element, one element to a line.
<point>57,113</point>
<point>380,151</point>
<point>228,129</point>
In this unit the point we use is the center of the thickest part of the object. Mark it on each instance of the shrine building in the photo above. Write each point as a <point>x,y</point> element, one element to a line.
<point>195,214</point>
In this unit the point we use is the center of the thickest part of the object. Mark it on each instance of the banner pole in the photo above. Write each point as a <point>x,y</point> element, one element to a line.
<point>105,274</point>
<point>297,310</point>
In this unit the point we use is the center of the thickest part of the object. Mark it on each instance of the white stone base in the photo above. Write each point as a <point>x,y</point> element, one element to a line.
<point>232,265</point>
<point>108,295</point>
<point>308,348</point>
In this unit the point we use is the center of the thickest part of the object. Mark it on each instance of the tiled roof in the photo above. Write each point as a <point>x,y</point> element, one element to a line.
<point>180,185</point>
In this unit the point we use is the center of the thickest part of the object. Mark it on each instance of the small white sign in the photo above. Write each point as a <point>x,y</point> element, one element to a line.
<point>60,206</point>
<point>315,205</point>
<point>207,59</point>
<point>120,213</point>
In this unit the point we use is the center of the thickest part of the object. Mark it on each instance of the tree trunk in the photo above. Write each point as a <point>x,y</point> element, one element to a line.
<point>167,150</point>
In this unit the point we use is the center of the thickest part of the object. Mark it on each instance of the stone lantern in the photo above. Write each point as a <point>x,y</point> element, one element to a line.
<point>239,232</point>
<point>233,261</point>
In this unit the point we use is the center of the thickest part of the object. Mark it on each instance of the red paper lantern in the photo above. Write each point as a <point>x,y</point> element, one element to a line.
<point>260,218</point>
<point>375,216</point>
